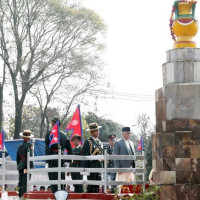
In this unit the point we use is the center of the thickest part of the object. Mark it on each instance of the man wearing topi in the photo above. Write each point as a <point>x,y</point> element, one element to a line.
<point>124,146</point>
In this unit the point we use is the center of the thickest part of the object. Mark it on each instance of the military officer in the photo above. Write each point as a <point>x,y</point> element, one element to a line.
<point>22,160</point>
<point>92,146</point>
<point>64,144</point>
<point>76,139</point>
<point>110,151</point>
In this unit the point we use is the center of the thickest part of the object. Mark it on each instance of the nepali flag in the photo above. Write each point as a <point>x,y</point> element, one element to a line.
<point>2,140</point>
<point>54,135</point>
<point>75,125</point>
<point>140,145</point>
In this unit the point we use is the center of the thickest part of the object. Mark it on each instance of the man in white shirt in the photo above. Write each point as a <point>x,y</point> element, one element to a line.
<point>124,146</point>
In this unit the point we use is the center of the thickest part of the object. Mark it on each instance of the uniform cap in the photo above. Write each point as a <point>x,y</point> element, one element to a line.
<point>26,134</point>
<point>55,119</point>
<point>93,126</point>
<point>76,136</point>
<point>112,137</point>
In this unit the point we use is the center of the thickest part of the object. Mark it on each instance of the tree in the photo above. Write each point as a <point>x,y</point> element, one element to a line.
<point>30,120</point>
<point>77,83</point>
<point>143,127</point>
<point>146,130</point>
<point>149,156</point>
<point>1,96</point>
<point>108,126</point>
<point>37,35</point>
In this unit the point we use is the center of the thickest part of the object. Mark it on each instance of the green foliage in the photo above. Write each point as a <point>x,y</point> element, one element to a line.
<point>108,126</point>
<point>145,129</point>
<point>149,156</point>
<point>31,120</point>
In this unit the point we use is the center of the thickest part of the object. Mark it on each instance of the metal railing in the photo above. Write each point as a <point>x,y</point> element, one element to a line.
<point>140,162</point>
<point>104,170</point>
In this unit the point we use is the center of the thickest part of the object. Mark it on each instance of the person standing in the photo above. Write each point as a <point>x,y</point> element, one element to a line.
<point>22,160</point>
<point>53,150</point>
<point>92,146</point>
<point>124,146</point>
<point>110,151</point>
<point>76,139</point>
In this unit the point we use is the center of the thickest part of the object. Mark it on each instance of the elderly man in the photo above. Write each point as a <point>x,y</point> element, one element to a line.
<point>22,160</point>
<point>92,146</point>
<point>124,146</point>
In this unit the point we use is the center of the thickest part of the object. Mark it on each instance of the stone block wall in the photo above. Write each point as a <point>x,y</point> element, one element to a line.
<point>176,144</point>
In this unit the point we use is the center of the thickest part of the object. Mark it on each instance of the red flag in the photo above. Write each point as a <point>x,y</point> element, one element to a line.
<point>54,135</point>
<point>1,140</point>
<point>75,124</point>
<point>140,145</point>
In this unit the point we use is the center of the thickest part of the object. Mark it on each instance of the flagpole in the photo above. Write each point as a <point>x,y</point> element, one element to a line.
<point>3,163</point>
<point>59,157</point>
<point>81,124</point>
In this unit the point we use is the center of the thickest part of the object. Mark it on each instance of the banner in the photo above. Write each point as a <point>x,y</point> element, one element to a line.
<point>75,125</point>
<point>54,135</point>
<point>2,140</point>
<point>140,145</point>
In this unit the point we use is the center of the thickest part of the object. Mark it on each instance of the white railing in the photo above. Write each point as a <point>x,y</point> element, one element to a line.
<point>104,170</point>
<point>140,162</point>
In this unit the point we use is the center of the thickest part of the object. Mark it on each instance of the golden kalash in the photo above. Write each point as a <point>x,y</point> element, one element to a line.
<point>183,26</point>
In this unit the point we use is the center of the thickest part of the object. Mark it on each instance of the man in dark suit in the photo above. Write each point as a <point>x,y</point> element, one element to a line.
<point>76,139</point>
<point>124,146</point>
<point>22,160</point>
<point>64,144</point>
<point>92,146</point>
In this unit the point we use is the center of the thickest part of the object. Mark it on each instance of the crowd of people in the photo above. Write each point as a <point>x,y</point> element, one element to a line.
<point>91,146</point>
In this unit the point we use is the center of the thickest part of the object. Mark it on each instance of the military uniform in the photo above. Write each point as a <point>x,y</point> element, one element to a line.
<point>110,164</point>
<point>65,144</point>
<point>22,164</point>
<point>92,147</point>
<point>77,175</point>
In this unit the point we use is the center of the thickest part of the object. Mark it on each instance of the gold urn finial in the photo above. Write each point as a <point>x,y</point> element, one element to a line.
<point>184,25</point>
<point>185,8</point>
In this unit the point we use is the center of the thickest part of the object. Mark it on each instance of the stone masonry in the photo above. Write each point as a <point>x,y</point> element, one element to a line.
<point>176,144</point>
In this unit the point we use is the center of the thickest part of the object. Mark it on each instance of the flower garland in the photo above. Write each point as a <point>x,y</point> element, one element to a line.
<point>171,23</point>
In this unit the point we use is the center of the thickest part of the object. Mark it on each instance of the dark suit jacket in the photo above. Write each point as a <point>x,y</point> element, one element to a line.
<point>120,148</point>
<point>22,155</point>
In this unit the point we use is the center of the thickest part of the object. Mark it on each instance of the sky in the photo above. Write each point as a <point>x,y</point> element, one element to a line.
<point>138,37</point>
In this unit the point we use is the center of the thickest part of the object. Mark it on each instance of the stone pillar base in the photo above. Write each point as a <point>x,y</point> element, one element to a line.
<point>176,162</point>
<point>180,192</point>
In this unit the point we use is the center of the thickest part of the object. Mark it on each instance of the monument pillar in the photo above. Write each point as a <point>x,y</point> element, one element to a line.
<point>176,144</point>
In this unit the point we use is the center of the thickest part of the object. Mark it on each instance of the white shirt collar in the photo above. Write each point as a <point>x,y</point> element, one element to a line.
<point>127,143</point>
